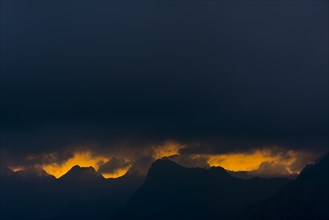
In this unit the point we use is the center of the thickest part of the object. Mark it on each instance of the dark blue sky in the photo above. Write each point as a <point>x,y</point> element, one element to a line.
<point>226,74</point>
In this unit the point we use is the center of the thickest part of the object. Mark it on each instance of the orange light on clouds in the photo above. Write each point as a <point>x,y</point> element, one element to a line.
<point>16,169</point>
<point>83,159</point>
<point>166,150</point>
<point>264,160</point>
<point>239,161</point>
<point>252,160</point>
<point>118,173</point>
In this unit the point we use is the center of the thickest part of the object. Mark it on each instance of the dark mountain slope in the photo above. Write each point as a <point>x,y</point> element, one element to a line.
<point>306,198</point>
<point>171,191</point>
<point>25,194</point>
<point>82,193</point>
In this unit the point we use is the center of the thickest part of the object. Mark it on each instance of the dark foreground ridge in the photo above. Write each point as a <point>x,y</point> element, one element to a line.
<point>175,192</point>
<point>306,198</point>
<point>82,193</point>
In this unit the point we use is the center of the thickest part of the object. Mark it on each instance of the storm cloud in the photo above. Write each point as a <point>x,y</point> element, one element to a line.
<point>123,78</point>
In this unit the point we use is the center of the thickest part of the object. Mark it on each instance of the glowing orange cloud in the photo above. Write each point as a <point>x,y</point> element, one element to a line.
<point>16,169</point>
<point>240,161</point>
<point>117,173</point>
<point>252,160</point>
<point>262,160</point>
<point>166,150</point>
<point>83,159</point>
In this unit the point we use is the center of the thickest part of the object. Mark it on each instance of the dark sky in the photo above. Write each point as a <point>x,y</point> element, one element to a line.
<point>229,75</point>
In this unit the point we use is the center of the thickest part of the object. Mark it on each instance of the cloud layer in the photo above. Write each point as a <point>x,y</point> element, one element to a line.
<point>122,80</point>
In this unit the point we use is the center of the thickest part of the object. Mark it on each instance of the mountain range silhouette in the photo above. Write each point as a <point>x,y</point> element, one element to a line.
<point>82,193</point>
<point>169,191</point>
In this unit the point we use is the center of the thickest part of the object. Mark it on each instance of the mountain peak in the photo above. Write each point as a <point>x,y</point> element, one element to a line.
<point>165,170</point>
<point>318,169</point>
<point>81,173</point>
<point>78,168</point>
<point>165,164</point>
<point>218,170</point>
